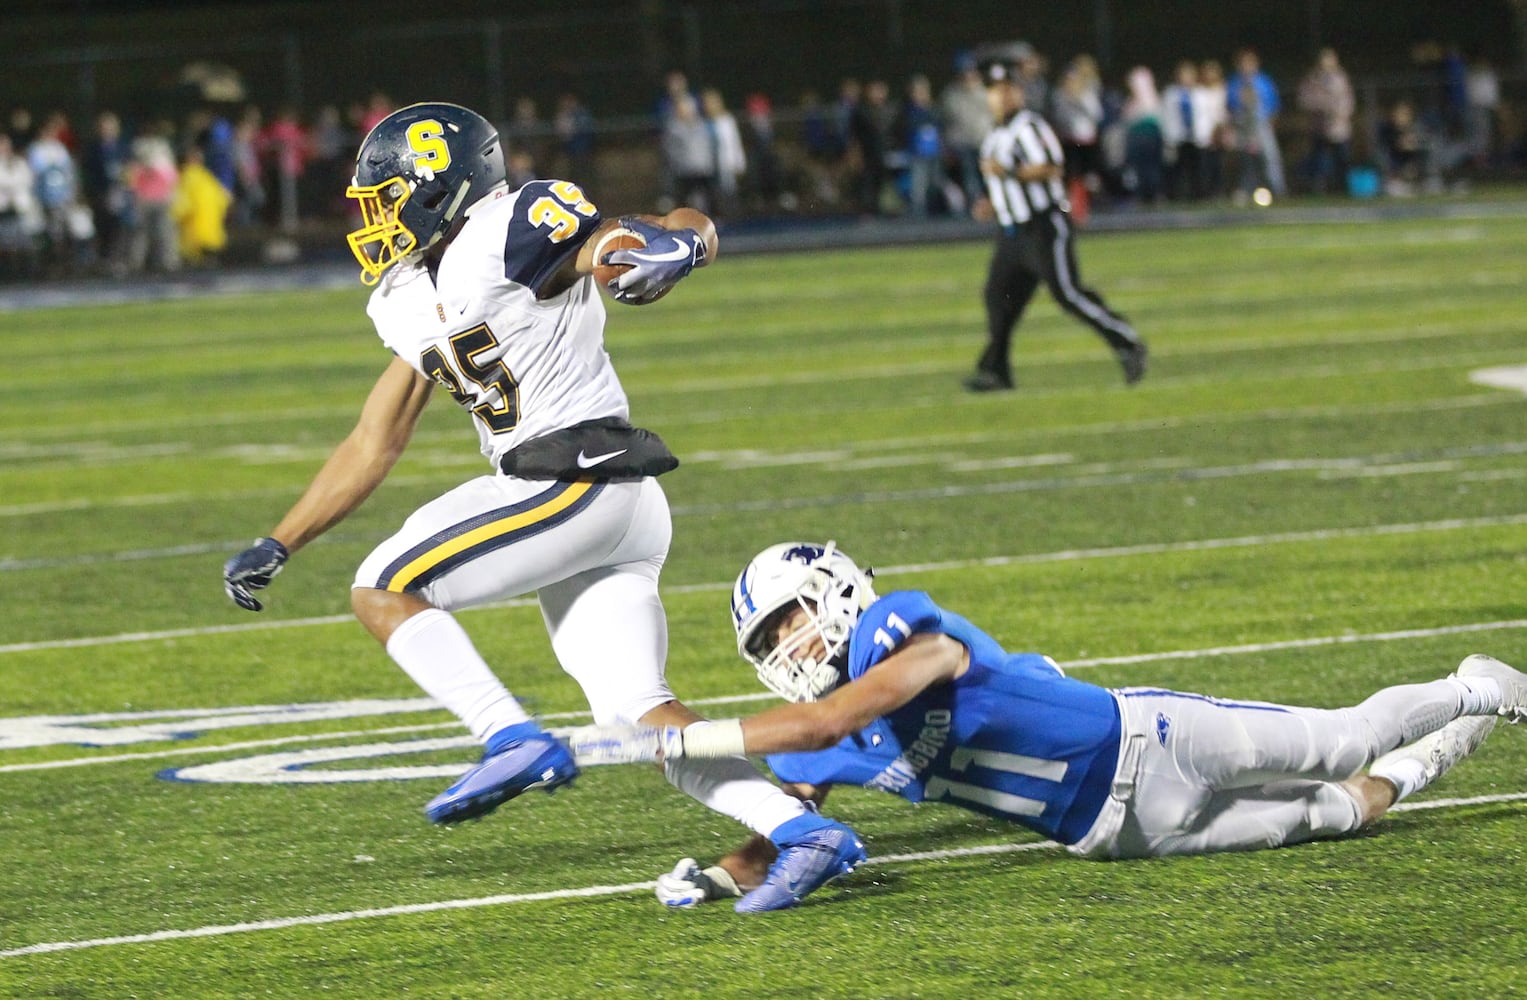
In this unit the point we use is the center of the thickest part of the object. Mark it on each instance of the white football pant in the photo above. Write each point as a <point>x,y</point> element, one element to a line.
<point>591,552</point>
<point>1200,774</point>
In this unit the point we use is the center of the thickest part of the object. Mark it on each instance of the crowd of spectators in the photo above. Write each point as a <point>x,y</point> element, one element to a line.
<point>157,195</point>
<point>1211,132</point>
<point>161,196</point>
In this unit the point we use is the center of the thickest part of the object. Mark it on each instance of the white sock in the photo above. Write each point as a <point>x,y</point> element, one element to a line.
<point>1481,695</point>
<point>1407,775</point>
<point>434,650</point>
<point>733,787</point>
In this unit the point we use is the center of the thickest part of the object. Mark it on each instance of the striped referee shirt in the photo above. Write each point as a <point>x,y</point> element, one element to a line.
<point>1025,139</point>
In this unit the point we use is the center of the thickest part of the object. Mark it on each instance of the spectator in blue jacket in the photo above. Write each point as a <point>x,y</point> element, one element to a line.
<point>921,138</point>
<point>1248,71</point>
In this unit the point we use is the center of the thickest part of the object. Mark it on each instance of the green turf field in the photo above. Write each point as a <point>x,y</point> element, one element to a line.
<point>1308,497</point>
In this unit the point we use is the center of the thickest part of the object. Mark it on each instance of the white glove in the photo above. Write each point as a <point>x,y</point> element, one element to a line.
<point>687,885</point>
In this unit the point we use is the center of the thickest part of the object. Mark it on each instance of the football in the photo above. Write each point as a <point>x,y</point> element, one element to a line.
<point>618,238</point>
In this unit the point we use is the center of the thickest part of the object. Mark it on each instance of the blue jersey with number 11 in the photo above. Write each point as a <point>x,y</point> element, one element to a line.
<point>1013,737</point>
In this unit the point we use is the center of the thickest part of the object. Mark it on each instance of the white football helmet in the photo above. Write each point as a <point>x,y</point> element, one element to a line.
<point>831,588</point>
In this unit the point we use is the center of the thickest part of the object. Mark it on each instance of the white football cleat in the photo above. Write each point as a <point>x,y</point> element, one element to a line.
<point>1513,683</point>
<point>1440,750</point>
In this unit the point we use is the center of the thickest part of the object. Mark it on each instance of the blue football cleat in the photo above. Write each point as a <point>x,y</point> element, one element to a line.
<point>812,852</point>
<point>516,760</point>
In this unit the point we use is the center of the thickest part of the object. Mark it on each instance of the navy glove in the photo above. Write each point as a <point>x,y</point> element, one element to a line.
<point>669,255</point>
<point>252,570</point>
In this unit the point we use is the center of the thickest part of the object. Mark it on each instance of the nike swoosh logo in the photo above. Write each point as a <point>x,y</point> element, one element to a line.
<point>588,462</point>
<point>677,253</point>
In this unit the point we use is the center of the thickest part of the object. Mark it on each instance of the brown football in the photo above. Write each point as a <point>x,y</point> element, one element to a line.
<point>616,239</point>
<point>619,239</point>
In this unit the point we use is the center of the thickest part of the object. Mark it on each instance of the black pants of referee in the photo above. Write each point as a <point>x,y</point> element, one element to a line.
<point>1043,250</point>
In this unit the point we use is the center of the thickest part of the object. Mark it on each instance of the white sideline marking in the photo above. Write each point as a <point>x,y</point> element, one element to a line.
<point>118,758</point>
<point>93,452</point>
<point>423,727</point>
<point>1169,474</point>
<point>1081,477</point>
<point>1104,474</point>
<point>157,499</point>
<point>587,892</point>
<point>174,633</point>
<point>330,918</point>
<point>1512,377</point>
<point>1063,555</point>
<point>1207,544</point>
<point>1096,661</point>
<point>754,455</point>
<point>1322,640</point>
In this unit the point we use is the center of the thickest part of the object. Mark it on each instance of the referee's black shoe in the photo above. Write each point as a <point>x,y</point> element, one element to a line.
<point>1132,357</point>
<point>987,381</point>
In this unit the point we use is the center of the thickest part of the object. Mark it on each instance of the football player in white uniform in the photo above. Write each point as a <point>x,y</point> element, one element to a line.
<point>487,292</point>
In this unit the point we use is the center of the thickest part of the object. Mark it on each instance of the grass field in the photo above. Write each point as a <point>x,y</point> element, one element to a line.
<point>1306,499</point>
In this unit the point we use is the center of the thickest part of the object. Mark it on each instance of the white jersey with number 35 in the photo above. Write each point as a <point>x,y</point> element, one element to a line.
<point>522,366</point>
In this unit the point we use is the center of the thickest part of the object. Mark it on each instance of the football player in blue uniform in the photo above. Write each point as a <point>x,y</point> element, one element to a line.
<point>899,694</point>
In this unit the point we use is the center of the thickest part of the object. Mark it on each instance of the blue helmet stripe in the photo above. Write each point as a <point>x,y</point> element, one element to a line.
<point>742,598</point>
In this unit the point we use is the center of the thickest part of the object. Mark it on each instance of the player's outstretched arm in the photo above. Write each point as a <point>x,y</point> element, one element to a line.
<point>922,661</point>
<point>355,469</point>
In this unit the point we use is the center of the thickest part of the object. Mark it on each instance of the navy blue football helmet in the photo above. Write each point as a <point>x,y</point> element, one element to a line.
<point>417,171</point>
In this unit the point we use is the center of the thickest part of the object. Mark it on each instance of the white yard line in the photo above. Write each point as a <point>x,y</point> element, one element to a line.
<point>120,758</point>
<point>215,748</point>
<point>1157,423</point>
<point>1513,377</point>
<point>96,452</point>
<point>1091,480</point>
<point>584,892</point>
<point>1070,665</point>
<point>1064,555</point>
<point>1209,544</point>
<point>447,478</point>
<point>1102,474</point>
<point>939,400</point>
<point>864,453</point>
<point>1306,643</point>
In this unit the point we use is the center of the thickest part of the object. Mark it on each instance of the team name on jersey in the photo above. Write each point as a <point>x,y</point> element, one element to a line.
<point>918,757</point>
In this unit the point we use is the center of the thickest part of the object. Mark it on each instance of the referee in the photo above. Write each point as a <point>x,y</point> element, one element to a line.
<point>1022,163</point>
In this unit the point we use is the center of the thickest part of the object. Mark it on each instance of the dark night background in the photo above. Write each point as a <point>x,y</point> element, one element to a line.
<point>80,55</point>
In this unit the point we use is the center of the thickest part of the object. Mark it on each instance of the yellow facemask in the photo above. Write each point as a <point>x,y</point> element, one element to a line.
<point>382,240</point>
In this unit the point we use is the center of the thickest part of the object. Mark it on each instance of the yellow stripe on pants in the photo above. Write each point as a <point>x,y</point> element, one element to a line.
<point>493,529</point>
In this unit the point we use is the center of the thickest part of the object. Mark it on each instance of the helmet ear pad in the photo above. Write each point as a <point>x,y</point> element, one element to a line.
<point>434,211</point>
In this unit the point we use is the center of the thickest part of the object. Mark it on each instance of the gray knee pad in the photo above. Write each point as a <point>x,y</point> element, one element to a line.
<point>1403,714</point>
<point>1425,718</point>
